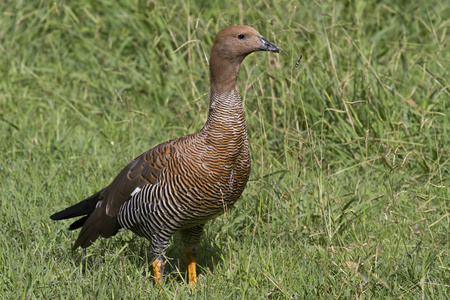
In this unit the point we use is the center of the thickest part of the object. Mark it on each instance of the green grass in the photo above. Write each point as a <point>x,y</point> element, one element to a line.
<point>349,191</point>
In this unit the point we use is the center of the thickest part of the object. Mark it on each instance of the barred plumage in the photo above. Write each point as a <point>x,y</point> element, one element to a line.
<point>181,184</point>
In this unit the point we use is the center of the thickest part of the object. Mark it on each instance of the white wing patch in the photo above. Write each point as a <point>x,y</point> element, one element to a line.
<point>136,190</point>
<point>99,203</point>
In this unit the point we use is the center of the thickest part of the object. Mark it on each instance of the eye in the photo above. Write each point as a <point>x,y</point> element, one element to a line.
<point>241,36</point>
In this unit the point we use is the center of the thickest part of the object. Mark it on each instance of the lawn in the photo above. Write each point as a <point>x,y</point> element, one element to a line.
<point>348,130</point>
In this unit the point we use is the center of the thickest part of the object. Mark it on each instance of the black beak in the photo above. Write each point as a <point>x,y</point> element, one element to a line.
<point>266,46</point>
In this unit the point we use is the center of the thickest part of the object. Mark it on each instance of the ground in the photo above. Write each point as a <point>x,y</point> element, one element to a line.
<point>348,130</point>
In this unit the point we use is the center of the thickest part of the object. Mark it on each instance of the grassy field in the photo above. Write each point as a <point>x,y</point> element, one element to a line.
<point>348,127</point>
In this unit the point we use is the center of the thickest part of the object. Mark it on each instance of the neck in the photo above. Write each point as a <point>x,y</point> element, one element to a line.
<point>223,73</point>
<point>226,114</point>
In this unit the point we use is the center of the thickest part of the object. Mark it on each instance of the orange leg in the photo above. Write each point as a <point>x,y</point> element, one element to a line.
<point>158,269</point>
<point>192,272</point>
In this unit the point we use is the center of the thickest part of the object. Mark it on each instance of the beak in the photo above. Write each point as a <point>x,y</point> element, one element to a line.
<point>266,46</point>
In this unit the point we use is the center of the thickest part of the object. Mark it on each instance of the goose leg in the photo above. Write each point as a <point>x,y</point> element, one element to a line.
<point>158,270</point>
<point>191,237</point>
<point>192,270</point>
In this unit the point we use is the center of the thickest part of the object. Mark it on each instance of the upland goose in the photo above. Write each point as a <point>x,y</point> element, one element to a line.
<point>181,184</point>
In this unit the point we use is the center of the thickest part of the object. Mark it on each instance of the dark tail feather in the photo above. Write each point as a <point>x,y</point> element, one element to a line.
<point>78,223</point>
<point>88,233</point>
<point>85,207</point>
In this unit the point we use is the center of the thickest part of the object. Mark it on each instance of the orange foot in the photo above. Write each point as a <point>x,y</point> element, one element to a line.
<point>192,272</point>
<point>158,269</point>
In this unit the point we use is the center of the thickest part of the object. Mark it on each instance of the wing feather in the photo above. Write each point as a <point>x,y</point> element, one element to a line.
<point>143,170</point>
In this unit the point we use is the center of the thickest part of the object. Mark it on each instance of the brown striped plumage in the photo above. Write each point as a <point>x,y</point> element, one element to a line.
<point>181,184</point>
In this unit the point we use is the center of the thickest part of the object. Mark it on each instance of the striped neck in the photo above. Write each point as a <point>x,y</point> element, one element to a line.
<point>225,111</point>
<point>226,121</point>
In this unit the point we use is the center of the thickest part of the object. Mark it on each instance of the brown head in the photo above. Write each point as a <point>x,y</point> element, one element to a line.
<point>231,46</point>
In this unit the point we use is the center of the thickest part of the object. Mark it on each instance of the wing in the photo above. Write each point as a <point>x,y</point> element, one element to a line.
<point>143,170</point>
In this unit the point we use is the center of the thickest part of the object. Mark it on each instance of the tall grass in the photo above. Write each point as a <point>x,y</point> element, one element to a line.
<point>348,130</point>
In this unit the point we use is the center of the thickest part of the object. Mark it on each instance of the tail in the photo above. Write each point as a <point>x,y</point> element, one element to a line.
<point>83,208</point>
